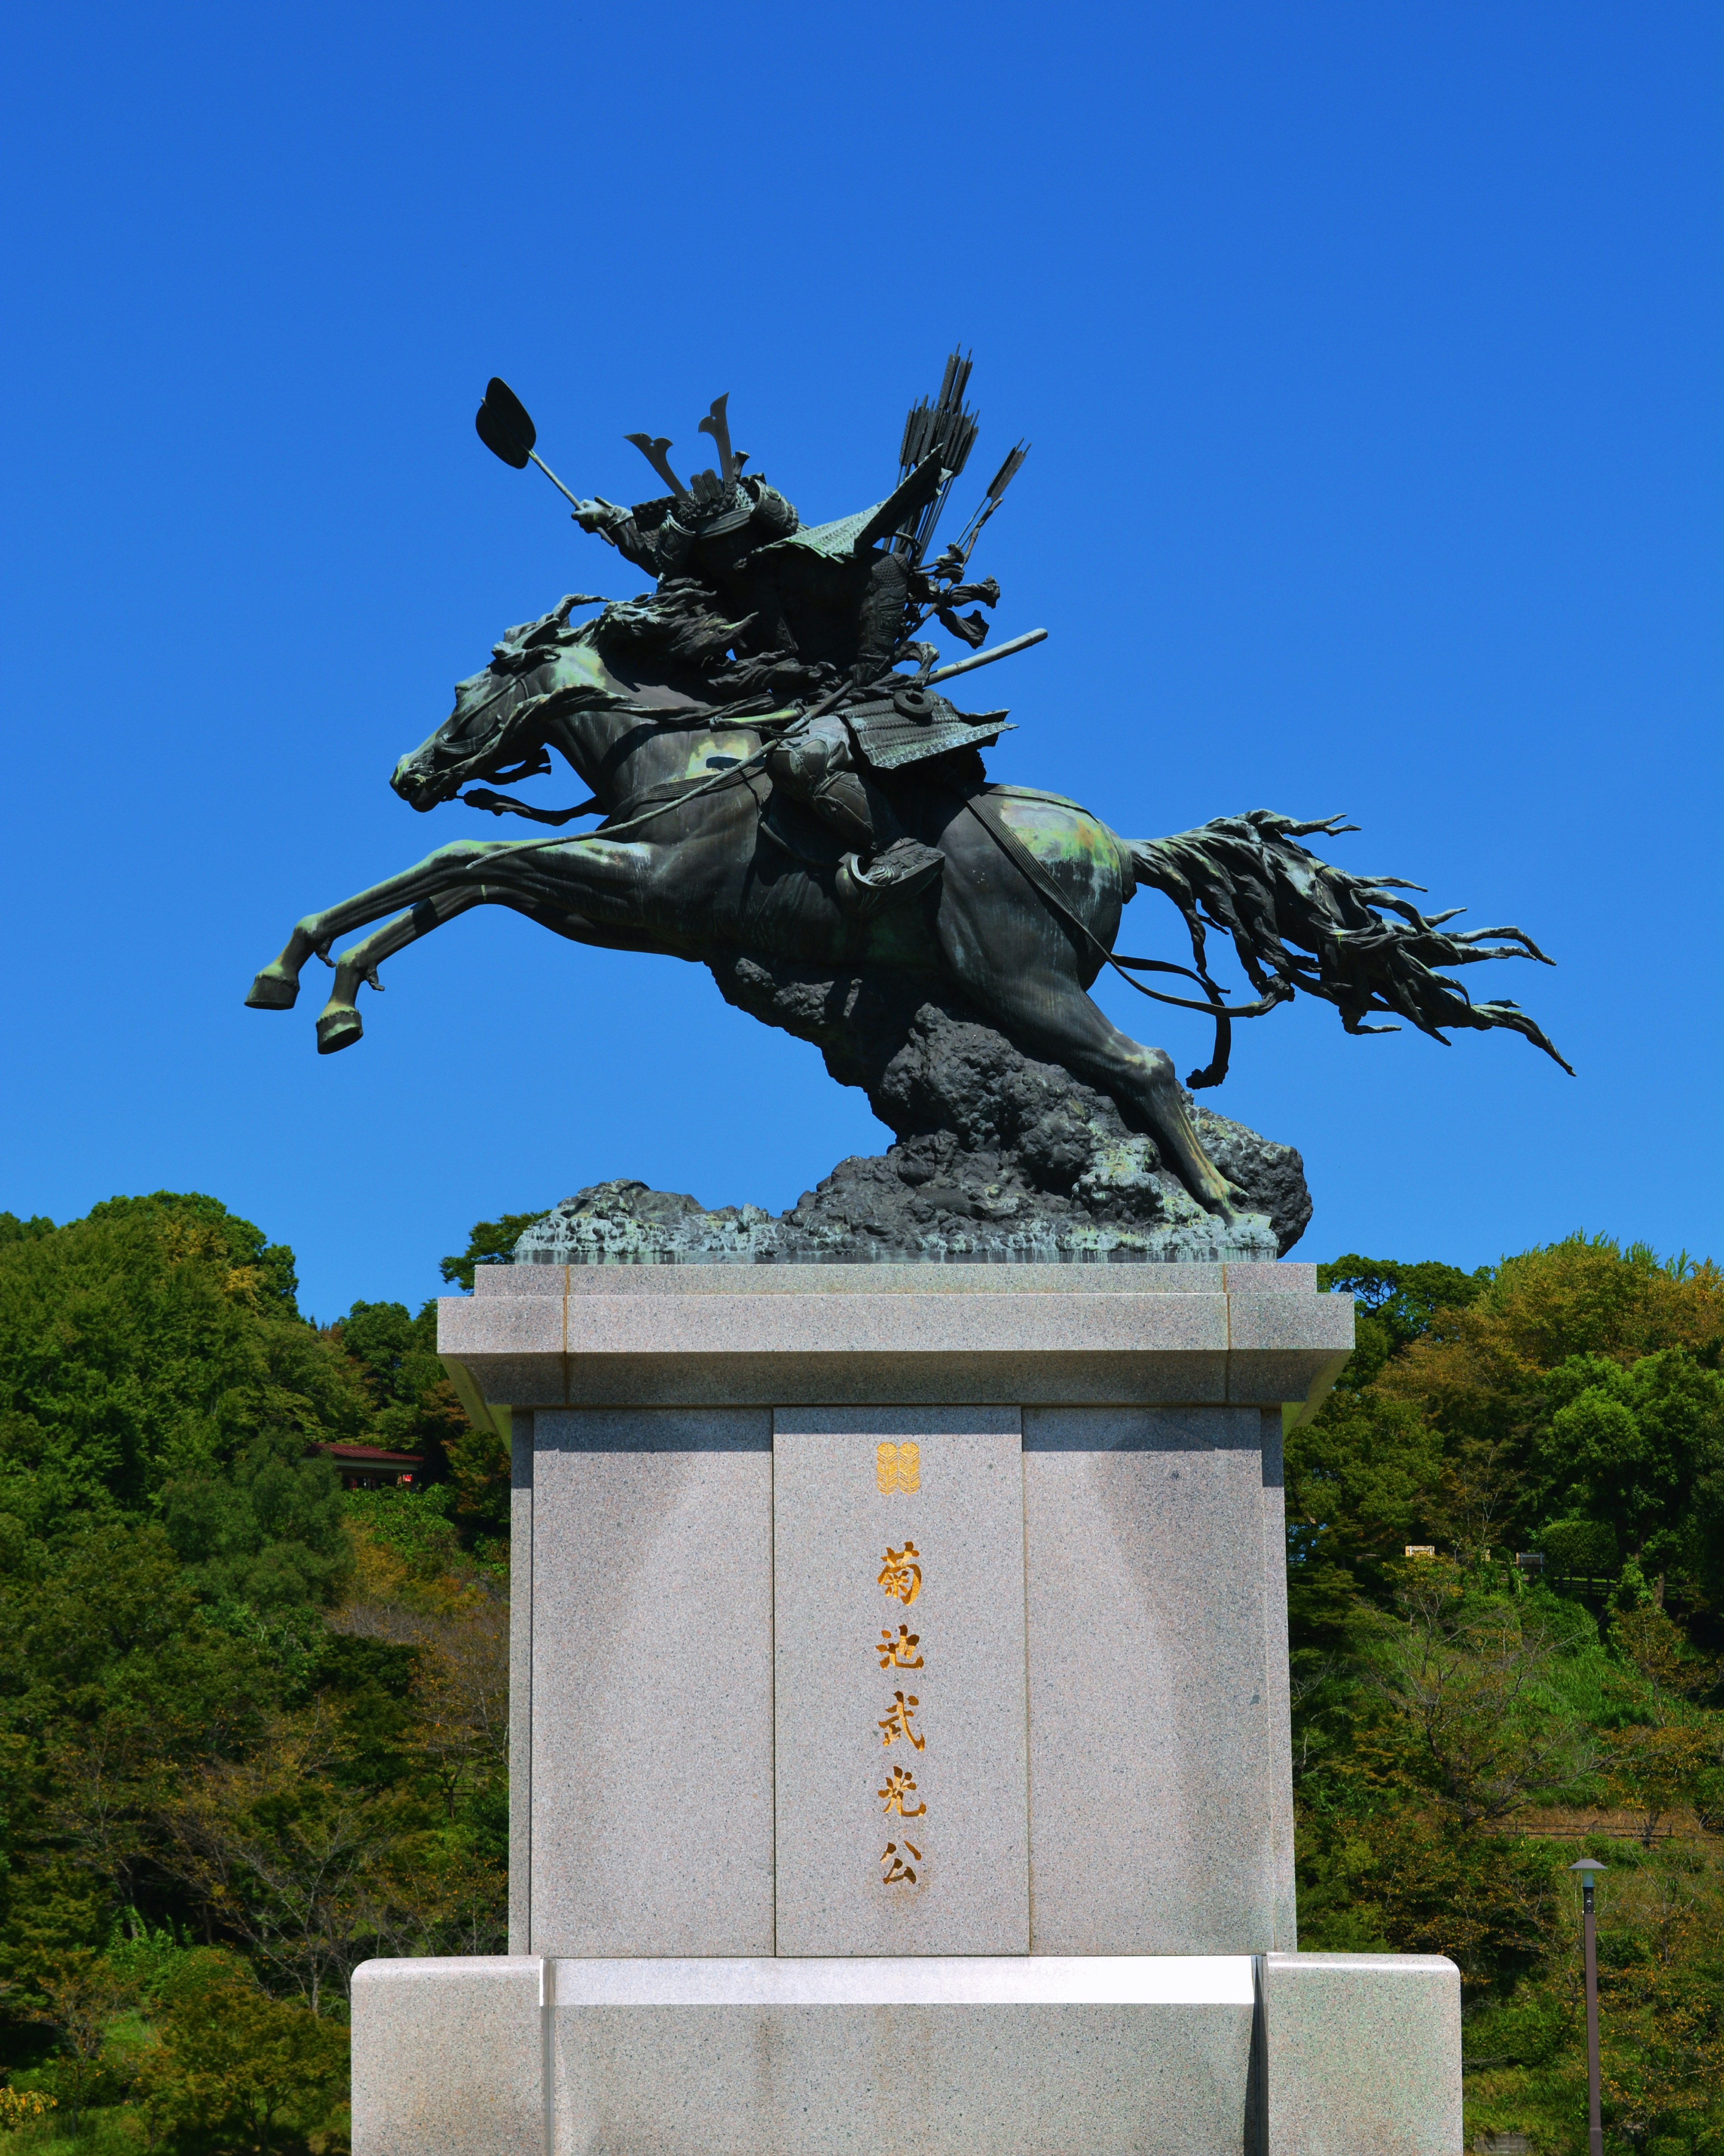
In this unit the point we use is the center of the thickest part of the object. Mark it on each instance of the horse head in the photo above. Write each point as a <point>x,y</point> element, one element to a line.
<point>497,729</point>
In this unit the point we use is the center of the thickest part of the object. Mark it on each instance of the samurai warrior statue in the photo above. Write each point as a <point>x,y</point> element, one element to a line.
<point>784,787</point>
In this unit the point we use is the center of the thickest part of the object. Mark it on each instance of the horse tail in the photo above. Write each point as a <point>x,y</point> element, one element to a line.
<point>1298,923</point>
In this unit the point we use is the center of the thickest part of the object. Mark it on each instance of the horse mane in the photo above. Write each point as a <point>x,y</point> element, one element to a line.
<point>674,630</point>
<point>676,623</point>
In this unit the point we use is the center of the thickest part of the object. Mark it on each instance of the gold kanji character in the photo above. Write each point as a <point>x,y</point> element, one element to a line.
<point>897,1467</point>
<point>899,1652</point>
<point>900,1783</point>
<point>896,1868</point>
<point>896,1720</point>
<point>901,1574</point>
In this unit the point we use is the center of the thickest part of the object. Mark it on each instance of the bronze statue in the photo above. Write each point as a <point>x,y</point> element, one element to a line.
<point>779,774</point>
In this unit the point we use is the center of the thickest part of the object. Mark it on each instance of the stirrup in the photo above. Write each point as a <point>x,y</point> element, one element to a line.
<point>901,872</point>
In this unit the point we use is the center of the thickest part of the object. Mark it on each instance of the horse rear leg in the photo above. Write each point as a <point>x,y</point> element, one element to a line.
<point>1047,1012</point>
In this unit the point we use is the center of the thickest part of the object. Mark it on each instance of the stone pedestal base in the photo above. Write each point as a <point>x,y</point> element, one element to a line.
<point>900,1762</point>
<point>1280,2055</point>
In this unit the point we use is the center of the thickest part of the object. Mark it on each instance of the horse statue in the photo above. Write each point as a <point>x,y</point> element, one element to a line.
<point>702,853</point>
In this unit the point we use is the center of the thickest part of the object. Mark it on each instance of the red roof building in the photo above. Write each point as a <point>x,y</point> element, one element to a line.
<point>369,1467</point>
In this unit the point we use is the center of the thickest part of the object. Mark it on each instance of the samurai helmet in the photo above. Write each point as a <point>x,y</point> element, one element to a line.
<point>714,502</point>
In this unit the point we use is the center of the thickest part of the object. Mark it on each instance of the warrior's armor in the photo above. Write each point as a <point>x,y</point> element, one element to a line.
<point>829,602</point>
<point>801,593</point>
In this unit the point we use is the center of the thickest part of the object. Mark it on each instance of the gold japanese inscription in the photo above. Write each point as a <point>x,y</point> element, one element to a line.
<point>897,1718</point>
<point>896,1868</point>
<point>901,1577</point>
<point>899,1653</point>
<point>900,1786</point>
<point>901,1574</point>
<point>897,1467</point>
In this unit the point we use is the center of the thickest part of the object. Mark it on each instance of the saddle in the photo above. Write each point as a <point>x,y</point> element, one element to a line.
<point>913,723</point>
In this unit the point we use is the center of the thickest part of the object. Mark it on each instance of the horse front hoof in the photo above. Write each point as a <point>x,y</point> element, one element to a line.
<point>273,989</point>
<point>338,1028</point>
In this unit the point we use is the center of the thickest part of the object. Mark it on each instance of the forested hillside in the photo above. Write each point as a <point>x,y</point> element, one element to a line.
<point>252,1727</point>
<point>1465,1725</point>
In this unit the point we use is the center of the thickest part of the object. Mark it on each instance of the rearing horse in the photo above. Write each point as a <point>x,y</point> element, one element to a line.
<point>697,857</point>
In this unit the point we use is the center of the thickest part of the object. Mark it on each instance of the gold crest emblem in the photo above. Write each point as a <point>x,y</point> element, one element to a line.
<point>897,1467</point>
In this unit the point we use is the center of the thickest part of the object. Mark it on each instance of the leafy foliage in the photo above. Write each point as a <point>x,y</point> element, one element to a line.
<point>1394,1303</point>
<point>490,1241</point>
<point>1623,1446</point>
<point>240,1707</point>
<point>1567,1403</point>
<point>413,1407</point>
<point>235,2072</point>
<point>267,1533</point>
<point>156,1339</point>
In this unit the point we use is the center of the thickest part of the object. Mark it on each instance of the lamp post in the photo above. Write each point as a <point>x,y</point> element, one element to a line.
<point>1595,2127</point>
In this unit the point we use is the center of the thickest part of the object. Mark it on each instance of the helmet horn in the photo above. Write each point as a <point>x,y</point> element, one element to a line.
<point>719,427</point>
<point>653,452</point>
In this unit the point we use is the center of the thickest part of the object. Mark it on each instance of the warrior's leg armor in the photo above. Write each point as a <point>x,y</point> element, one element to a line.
<point>846,801</point>
<point>817,768</point>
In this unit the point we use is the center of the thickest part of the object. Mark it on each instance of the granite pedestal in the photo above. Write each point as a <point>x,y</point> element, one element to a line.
<point>899,1731</point>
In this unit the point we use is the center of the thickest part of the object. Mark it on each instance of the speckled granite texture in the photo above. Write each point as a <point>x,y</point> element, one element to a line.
<point>1243,1334</point>
<point>1363,2052</point>
<point>449,2056</point>
<point>1319,2055</point>
<point>651,1700</point>
<point>1156,1777</point>
<point>964,1882</point>
<point>800,2057</point>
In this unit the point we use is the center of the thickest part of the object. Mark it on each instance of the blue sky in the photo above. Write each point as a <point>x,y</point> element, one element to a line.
<point>1370,357</point>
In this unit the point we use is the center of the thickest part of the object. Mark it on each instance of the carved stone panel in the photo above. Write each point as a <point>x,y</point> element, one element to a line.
<point>901,1743</point>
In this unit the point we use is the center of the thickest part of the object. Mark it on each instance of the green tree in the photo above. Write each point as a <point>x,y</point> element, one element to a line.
<point>396,1354</point>
<point>1363,1475</point>
<point>1360,1477</point>
<point>81,1995</point>
<point>270,1532</point>
<point>414,1409</point>
<point>1396,1878</point>
<point>1395,1303</point>
<point>235,2072</point>
<point>113,1683</point>
<point>490,1241</point>
<point>1478,1371</point>
<point>1625,1445</point>
<point>194,1737</point>
<point>1444,1708</point>
<point>14,1231</point>
<point>154,1339</point>
<point>1466,1668</point>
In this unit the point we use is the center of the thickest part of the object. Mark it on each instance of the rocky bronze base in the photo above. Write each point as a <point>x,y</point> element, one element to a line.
<point>1000,1160</point>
